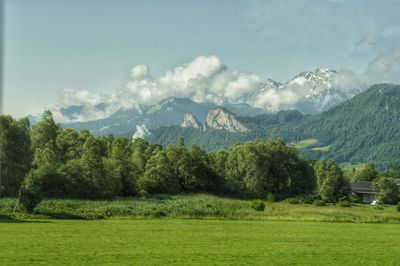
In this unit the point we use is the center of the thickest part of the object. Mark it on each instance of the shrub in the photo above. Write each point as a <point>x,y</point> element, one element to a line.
<point>344,198</point>
<point>354,198</point>
<point>319,203</point>
<point>29,197</point>
<point>159,214</point>
<point>293,201</point>
<point>271,197</point>
<point>345,203</point>
<point>398,207</point>
<point>258,205</point>
<point>308,199</point>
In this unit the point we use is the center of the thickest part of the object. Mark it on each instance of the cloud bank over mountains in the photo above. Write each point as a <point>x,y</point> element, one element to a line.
<point>207,79</point>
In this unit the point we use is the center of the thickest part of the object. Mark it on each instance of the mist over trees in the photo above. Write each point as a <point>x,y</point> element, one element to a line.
<point>47,160</point>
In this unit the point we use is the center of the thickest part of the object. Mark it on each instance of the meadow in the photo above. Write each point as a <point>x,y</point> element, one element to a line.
<point>197,230</point>
<point>196,242</point>
<point>201,206</point>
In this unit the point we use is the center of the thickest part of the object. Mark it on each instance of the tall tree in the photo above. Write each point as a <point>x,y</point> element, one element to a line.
<point>330,180</point>
<point>119,158</point>
<point>101,182</point>
<point>188,166</point>
<point>369,173</point>
<point>246,171</point>
<point>141,153</point>
<point>158,177</point>
<point>218,161</point>
<point>44,135</point>
<point>290,174</point>
<point>257,168</point>
<point>69,145</point>
<point>15,154</point>
<point>47,157</point>
<point>387,190</point>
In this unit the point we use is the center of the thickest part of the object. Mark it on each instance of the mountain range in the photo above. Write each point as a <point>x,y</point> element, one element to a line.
<point>364,128</point>
<point>347,125</point>
<point>310,92</point>
<point>169,111</point>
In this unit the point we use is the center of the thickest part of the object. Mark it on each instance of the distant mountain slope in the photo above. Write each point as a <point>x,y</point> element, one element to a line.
<point>167,112</point>
<point>367,127</point>
<point>364,128</point>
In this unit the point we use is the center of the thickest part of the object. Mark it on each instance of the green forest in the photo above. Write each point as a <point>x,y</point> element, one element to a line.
<point>48,161</point>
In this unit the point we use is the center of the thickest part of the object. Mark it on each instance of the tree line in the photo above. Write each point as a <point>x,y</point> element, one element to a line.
<point>50,161</point>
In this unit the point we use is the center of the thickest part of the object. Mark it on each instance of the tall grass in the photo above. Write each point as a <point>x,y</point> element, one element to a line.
<point>201,206</point>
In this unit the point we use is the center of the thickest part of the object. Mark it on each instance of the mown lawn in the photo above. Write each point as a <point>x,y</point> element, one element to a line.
<point>196,242</point>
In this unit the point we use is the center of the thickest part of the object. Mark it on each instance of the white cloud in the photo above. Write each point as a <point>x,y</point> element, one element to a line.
<point>347,80</point>
<point>78,97</point>
<point>203,79</point>
<point>274,99</point>
<point>139,72</point>
<point>384,68</point>
<point>93,106</point>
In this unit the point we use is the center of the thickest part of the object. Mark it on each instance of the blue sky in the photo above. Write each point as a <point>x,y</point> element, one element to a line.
<point>90,45</point>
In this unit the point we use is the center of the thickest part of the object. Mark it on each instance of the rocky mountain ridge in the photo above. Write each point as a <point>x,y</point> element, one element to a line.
<point>220,118</point>
<point>189,120</point>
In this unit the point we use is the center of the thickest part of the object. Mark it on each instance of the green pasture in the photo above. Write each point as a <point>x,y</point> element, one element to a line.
<point>196,242</point>
<point>348,167</point>
<point>306,143</point>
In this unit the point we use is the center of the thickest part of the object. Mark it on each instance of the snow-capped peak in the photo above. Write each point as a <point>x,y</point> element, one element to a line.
<point>308,92</point>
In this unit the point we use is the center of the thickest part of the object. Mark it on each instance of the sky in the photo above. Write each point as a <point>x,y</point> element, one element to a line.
<point>57,46</point>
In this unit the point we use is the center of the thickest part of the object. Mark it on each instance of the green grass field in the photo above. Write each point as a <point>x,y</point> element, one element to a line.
<point>197,230</point>
<point>321,149</point>
<point>311,145</point>
<point>348,167</point>
<point>306,143</point>
<point>196,242</point>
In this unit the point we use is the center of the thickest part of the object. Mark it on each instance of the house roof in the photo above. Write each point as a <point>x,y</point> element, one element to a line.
<point>362,187</point>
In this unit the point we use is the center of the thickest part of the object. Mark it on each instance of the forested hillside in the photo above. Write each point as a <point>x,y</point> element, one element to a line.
<point>365,128</point>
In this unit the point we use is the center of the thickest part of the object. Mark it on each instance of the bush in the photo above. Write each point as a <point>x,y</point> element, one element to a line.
<point>354,198</point>
<point>258,205</point>
<point>398,207</point>
<point>344,198</point>
<point>319,203</point>
<point>308,199</point>
<point>29,198</point>
<point>345,203</point>
<point>271,197</point>
<point>293,201</point>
